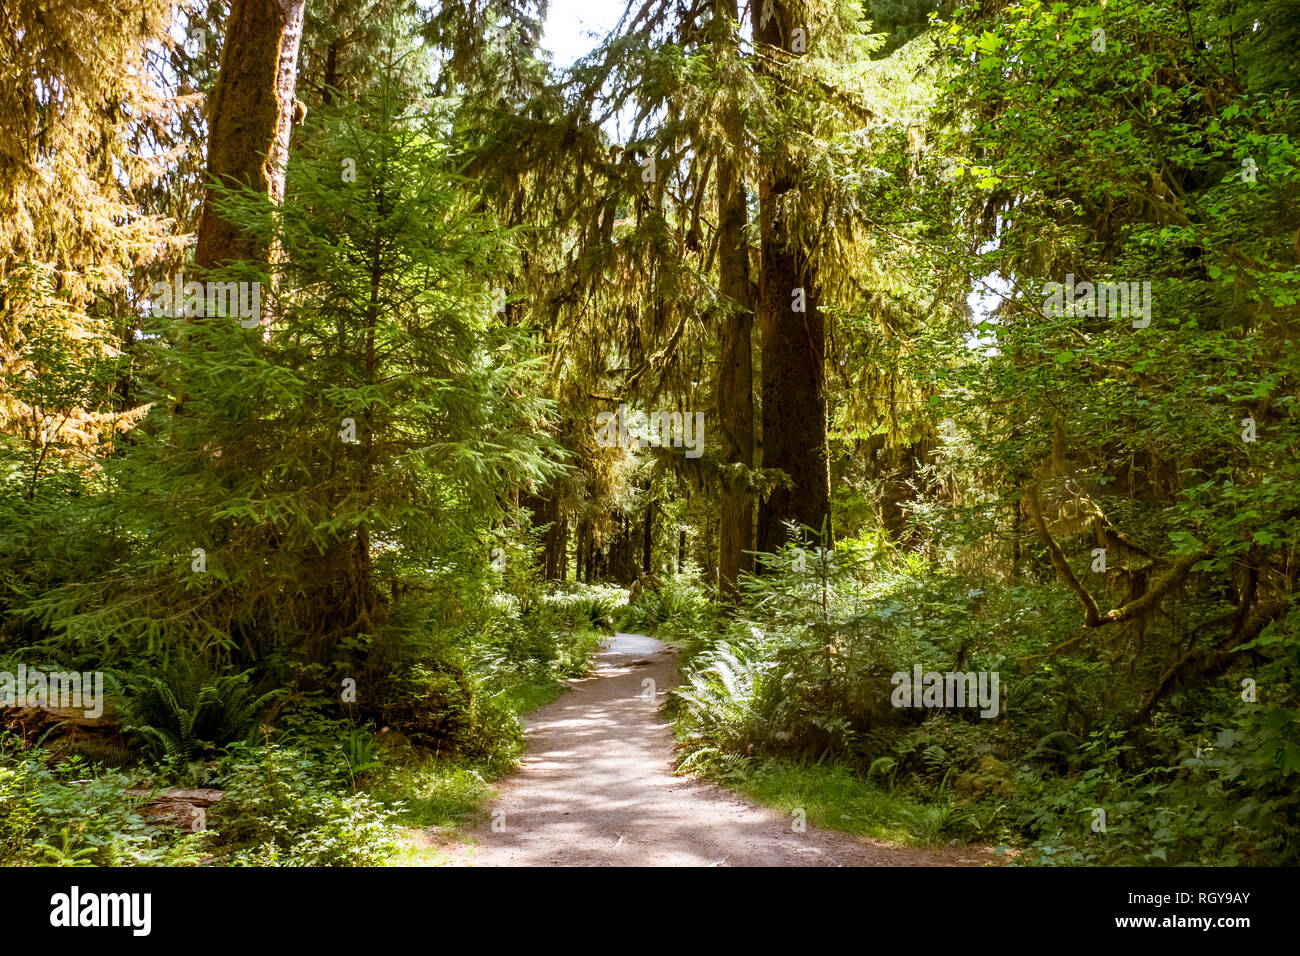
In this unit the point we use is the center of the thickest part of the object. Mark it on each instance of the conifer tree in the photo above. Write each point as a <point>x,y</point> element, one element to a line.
<point>284,515</point>
<point>74,91</point>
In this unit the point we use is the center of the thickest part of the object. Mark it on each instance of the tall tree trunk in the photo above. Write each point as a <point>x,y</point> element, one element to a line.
<point>251,117</point>
<point>735,398</point>
<point>896,472</point>
<point>560,570</point>
<point>647,543</point>
<point>583,555</point>
<point>623,572</point>
<point>546,514</point>
<point>793,333</point>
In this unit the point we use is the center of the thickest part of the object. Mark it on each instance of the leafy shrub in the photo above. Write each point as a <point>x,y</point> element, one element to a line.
<point>494,734</point>
<point>69,815</point>
<point>1225,797</point>
<point>574,652</point>
<point>431,702</point>
<point>587,607</point>
<point>678,611</point>
<point>284,808</point>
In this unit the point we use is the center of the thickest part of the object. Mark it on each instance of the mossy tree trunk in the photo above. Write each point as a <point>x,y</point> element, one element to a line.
<point>735,398</point>
<point>793,331</point>
<point>250,118</point>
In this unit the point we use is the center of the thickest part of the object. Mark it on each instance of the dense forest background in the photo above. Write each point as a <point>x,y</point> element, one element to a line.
<point>360,367</point>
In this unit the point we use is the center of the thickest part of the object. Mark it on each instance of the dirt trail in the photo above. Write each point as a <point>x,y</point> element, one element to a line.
<point>596,789</point>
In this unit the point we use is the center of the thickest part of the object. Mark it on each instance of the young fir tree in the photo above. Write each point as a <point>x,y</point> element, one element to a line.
<point>288,508</point>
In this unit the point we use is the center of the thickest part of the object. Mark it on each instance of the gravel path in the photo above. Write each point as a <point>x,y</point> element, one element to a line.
<point>596,789</point>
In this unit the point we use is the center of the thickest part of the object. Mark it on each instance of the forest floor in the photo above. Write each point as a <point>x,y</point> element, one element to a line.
<point>596,788</point>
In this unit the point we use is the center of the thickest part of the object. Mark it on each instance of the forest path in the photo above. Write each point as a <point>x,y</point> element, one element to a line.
<point>597,789</point>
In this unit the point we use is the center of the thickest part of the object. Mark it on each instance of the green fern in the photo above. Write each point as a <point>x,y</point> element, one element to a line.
<point>184,713</point>
<point>720,694</point>
<point>106,753</point>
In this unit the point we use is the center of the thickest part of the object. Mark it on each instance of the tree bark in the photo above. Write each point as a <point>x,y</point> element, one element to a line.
<point>583,555</point>
<point>546,514</point>
<point>793,345</point>
<point>562,549</point>
<point>250,119</point>
<point>647,544</point>
<point>735,397</point>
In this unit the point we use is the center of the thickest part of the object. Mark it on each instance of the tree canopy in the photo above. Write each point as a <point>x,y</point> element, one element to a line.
<point>360,365</point>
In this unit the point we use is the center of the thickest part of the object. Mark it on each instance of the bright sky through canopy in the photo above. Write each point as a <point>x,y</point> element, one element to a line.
<point>574,27</point>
